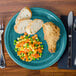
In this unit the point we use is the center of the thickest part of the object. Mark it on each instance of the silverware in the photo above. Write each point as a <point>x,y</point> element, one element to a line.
<point>74,28</point>
<point>70,23</point>
<point>2,60</point>
<point>75,61</point>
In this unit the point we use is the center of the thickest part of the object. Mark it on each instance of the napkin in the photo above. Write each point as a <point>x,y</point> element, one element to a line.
<point>62,63</point>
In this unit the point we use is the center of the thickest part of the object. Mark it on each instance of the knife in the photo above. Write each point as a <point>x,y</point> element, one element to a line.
<point>74,28</point>
<point>70,23</point>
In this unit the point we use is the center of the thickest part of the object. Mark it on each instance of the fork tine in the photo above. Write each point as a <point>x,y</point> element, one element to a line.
<point>0,26</point>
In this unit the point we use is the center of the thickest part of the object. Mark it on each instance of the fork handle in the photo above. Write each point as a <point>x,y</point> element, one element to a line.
<point>2,60</point>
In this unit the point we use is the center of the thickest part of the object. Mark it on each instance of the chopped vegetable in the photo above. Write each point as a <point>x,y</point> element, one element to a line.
<point>31,39</point>
<point>41,46</point>
<point>24,46</point>
<point>31,42</point>
<point>36,45</point>
<point>15,40</point>
<point>20,56</point>
<point>15,49</point>
<point>21,37</point>
<point>37,58</point>
<point>28,48</point>
<point>26,37</point>
<point>27,45</point>
<point>33,58</point>
<point>23,54</point>
<point>14,43</point>
<point>25,33</point>
<point>40,54</point>
<point>37,39</point>
<point>31,52</point>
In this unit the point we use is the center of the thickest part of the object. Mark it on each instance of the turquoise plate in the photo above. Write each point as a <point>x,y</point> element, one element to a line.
<point>47,58</point>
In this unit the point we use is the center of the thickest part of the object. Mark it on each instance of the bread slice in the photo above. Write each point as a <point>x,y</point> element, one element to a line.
<point>25,13</point>
<point>34,26</point>
<point>51,35</point>
<point>21,26</point>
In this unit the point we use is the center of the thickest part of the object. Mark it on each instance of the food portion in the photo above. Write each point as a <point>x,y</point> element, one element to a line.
<point>34,26</point>
<point>51,35</point>
<point>25,13</point>
<point>24,24</point>
<point>28,48</point>
<point>23,20</point>
<point>21,26</point>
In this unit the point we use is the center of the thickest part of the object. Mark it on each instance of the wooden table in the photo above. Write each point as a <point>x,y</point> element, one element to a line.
<point>8,8</point>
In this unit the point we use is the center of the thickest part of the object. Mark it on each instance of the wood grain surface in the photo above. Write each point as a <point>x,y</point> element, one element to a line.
<point>8,8</point>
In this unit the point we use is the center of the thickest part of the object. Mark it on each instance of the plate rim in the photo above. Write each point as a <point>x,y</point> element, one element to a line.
<point>36,67</point>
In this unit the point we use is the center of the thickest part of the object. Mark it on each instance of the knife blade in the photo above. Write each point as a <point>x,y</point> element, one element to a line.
<point>70,23</point>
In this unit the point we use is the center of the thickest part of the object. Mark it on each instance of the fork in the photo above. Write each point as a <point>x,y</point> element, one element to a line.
<point>2,60</point>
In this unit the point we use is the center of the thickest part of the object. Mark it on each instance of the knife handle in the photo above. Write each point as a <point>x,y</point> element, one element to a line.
<point>69,63</point>
<point>69,58</point>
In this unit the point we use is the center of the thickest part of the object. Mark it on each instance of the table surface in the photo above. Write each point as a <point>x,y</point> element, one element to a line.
<point>8,8</point>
